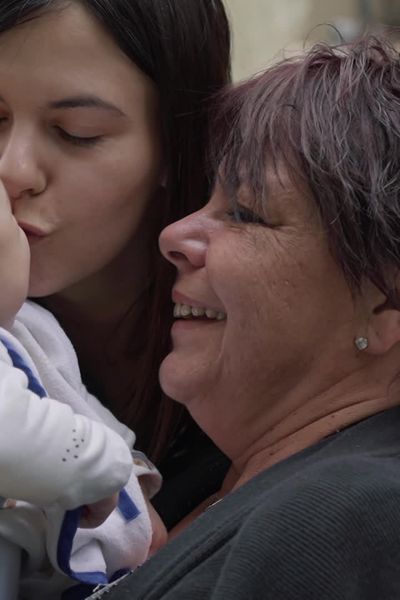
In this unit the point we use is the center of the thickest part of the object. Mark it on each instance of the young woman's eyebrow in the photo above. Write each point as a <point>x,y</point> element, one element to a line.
<point>86,102</point>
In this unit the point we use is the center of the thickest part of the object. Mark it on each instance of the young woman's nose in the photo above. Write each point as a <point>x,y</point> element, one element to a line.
<point>185,242</point>
<point>20,170</point>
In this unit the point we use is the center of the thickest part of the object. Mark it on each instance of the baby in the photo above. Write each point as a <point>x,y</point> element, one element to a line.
<point>64,459</point>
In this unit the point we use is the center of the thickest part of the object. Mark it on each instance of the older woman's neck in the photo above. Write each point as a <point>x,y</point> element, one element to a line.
<point>302,419</point>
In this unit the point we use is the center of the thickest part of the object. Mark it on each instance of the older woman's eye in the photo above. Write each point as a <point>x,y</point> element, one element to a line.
<point>242,214</point>
<point>78,140</point>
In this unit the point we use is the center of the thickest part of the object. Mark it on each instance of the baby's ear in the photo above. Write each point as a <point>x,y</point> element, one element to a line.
<point>383,322</point>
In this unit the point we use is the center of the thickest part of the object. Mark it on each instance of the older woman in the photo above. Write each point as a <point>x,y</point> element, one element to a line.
<point>285,346</point>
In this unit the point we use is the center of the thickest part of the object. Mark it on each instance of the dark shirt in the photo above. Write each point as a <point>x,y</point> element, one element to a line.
<point>193,470</point>
<point>321,525</point>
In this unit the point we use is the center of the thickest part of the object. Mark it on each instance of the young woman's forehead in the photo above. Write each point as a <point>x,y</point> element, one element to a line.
<point>67,52</point>
<point>69,30</point>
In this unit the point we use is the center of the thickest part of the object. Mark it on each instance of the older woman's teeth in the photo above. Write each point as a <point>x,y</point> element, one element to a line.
<point>185,311</point>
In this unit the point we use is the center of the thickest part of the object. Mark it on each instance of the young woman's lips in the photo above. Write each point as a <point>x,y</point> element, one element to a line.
<point>34,234</point>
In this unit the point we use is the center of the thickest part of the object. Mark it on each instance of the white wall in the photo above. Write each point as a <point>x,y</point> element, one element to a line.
<point>261,28</point>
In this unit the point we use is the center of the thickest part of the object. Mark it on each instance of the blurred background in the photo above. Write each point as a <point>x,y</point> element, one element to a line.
<point>262,28</point>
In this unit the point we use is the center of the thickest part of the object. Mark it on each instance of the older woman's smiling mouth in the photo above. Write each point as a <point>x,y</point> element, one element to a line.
<point>188,309</point>
<point>185,311</point>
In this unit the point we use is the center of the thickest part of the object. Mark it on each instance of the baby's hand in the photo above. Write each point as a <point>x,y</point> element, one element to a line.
<point>14,262</point>
<point>5,205</point>
<point>95,514</point>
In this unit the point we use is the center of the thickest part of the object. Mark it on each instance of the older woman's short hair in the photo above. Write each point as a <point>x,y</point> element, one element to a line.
<point>331,117</point>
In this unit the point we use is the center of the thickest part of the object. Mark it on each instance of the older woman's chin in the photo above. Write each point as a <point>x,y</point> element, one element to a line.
<point>179,381</point>
<point>169,378</point>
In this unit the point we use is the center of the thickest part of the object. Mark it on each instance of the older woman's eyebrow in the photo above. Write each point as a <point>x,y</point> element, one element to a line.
<point>86,102</point>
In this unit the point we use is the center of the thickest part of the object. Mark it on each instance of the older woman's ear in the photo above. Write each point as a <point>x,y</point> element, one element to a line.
<point>383,331</point>
<point>381,326</point>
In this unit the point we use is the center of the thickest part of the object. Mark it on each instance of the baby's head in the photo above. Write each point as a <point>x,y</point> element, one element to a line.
<point>14,263</point>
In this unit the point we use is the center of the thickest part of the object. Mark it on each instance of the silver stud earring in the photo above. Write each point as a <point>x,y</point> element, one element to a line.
<point>361,343</point>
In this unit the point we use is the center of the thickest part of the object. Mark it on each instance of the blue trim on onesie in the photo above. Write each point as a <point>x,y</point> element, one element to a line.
<point>127,507</point>
<point>20,364</point>
<point>70,524</point>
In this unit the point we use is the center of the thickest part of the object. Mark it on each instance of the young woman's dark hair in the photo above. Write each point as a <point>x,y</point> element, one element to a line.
<point>331,118</point>
<point>165,39</point>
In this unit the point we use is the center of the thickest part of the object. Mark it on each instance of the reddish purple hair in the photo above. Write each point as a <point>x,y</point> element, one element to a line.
<point>332,117</point>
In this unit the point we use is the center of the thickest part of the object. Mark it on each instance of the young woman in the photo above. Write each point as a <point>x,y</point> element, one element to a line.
<point>103,117</point>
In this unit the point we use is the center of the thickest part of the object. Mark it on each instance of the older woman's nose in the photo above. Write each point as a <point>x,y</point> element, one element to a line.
<point>184,243</point>
<point>19,167</point>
